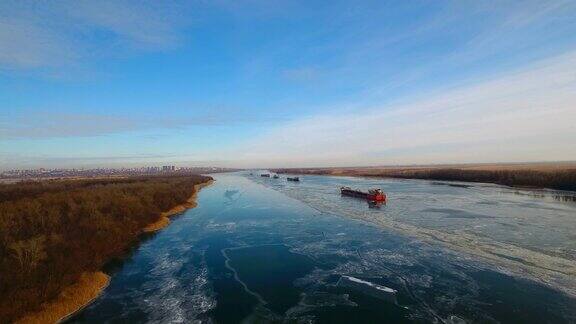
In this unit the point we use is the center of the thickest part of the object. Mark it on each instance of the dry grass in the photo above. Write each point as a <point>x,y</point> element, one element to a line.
<point>164,219</point>
<point>70,300</point>
<point>158,225</point>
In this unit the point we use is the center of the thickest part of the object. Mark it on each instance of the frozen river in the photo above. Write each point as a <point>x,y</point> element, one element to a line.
<point>267,250</point>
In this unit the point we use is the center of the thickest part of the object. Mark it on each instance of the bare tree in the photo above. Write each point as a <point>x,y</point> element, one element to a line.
<point>29,253</point>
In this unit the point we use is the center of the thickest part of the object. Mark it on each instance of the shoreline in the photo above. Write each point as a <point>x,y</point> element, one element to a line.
<point>164,219</point>
<point>558,179</point>
<point>80,294</point>
<point>71,299</point>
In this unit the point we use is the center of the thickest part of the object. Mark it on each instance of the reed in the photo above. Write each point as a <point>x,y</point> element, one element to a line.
<point>71,299</point>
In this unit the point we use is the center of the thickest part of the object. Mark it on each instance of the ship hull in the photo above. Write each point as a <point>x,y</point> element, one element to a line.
<point>363,195</point>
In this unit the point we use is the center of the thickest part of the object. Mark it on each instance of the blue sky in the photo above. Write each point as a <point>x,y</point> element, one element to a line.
<point>286,83</point>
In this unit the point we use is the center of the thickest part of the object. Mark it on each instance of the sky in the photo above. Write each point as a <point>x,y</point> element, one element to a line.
<point>273,83</point>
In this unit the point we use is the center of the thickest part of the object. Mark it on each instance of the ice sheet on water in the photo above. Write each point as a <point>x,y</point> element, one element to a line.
<point>171,281</point>
<point>467,220</point>
<point>171,297</point>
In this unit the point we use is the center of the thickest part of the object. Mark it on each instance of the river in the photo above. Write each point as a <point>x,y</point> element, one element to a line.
<point>267,250</point>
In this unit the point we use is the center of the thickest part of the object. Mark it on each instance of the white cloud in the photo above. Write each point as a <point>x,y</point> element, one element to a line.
<point>26,45</point>
<point>525,115</point>
<point>48,34</point>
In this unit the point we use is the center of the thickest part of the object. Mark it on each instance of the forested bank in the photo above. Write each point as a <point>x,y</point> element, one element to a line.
<point>561,180</point>
<point>552,179</point>
<point>53,231</point>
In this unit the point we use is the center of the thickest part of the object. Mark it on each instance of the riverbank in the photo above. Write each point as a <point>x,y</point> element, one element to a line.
<point>558,176</point>
<point>77,296</point>
<point>71,300</point>
<point>164,219</point>
<point>50,272</point>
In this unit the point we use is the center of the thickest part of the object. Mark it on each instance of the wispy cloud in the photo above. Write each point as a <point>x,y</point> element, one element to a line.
<point>47,34</point>
<point>58,125</point>
<point>53,123</point>
<point>297,82</point>
<point>525,115</point>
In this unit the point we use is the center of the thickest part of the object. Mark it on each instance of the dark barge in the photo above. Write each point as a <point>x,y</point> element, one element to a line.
<point>371,195</point>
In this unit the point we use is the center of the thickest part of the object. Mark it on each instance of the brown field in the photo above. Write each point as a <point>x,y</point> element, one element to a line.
<point>553,175</point>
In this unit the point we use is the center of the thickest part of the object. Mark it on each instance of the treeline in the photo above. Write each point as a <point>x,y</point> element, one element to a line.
<point>561,180</point>
<point>554,179</point>
<point>52,231</point>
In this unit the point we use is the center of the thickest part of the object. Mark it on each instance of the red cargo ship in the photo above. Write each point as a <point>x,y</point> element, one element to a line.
<point>371,195</point>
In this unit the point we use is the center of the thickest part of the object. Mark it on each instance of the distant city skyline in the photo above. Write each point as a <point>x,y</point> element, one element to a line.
<point>285,83</point>
<point>19,174</point>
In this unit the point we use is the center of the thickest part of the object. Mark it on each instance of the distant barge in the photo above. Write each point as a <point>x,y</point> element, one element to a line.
<point>293,179</point>
<point>265,175</point>
<point>369,288</point>
<point>371,195</point>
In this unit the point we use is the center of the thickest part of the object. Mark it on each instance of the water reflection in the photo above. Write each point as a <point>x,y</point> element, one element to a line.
<point>376,204</point>
<point>229,194</point>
